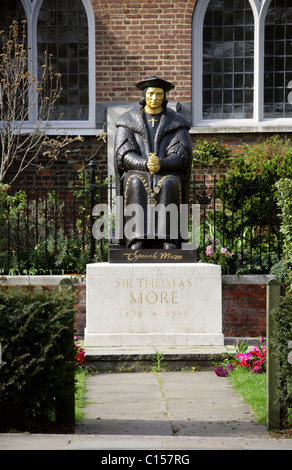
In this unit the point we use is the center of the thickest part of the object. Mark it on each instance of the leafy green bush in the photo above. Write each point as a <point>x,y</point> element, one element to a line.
<point>280,271</point>
<point>38,357</point>
<point>254,172</point>
<point>280,337</point>
<point>211,153</point>
<point>33,239</point>
<point>284,201</point>
<point>212,250</point>
<point>248,195</point>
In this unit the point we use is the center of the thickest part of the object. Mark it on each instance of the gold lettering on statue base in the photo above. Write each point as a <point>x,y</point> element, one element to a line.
<point>136,255</point>
<point>153,283</point>
<point>169,314</point>
<point>153,291</point>
<point>153,298</point>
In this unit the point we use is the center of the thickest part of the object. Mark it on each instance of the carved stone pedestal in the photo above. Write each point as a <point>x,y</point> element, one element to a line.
<point>153,304</point>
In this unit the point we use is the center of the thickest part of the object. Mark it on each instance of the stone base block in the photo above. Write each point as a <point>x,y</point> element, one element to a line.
<point>153,305</point>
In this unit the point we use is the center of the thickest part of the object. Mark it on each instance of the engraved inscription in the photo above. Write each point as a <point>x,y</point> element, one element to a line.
<point>153,297</point>
<point>131,314</point>
<point>177,314</point>
<point>153,283</point>
<point>162,294</point>
<point>171,314</point>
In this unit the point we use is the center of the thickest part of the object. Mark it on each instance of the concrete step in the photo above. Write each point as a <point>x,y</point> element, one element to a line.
<point>137,359</point>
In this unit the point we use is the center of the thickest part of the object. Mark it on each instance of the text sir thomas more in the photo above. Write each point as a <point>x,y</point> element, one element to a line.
<point>148,293</point>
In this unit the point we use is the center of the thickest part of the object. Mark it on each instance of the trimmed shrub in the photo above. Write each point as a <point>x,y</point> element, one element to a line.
<point>38,357</point>
<point>281,335</point>
<point>284,200</point>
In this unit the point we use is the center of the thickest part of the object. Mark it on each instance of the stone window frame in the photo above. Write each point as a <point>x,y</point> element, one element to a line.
<point>258,123</point>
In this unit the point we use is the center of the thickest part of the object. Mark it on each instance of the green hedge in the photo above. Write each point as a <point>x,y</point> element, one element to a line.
<point>284,201</point>
<point>280,337</point>
<point>37,370</point>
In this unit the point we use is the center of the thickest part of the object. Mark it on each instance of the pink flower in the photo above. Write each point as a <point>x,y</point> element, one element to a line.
<point>209,251</point>
<point>225,252</point>
<point>220,371</point>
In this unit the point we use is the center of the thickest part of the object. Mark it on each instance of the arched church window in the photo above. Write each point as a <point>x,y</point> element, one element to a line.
<point>242,63</point>
<point>64,31</point>
<point>228,63</point>
<point>278,60</point>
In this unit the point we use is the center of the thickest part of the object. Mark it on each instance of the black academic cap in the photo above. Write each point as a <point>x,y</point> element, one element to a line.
<point>154,82</point>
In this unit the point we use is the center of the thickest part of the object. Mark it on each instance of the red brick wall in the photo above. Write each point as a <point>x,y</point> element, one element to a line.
<point>243,302</point>
<point>138,39</point>
<point>80,318</point>
<point>244,310</point>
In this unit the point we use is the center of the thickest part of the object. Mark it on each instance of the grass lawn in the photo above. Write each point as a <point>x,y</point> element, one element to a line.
<point>252,388</point>
<point>80,389</point>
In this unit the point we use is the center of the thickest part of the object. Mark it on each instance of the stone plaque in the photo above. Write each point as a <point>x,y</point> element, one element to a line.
<point>153,304</point>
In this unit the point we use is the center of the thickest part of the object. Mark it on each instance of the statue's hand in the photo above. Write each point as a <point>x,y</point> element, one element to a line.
<point>153,163</point>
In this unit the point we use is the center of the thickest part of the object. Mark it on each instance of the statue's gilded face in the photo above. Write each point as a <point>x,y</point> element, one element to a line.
<point>154,99</point>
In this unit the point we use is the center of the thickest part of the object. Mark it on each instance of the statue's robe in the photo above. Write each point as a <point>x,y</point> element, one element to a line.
<point>169,139</point>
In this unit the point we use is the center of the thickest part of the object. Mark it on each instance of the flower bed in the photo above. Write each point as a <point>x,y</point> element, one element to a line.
<point>254,360</point>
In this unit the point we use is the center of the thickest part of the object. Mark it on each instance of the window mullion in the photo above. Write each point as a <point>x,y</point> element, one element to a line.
<point>258,69</point>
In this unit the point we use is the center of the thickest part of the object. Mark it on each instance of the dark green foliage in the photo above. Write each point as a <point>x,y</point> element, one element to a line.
<point>211,153</point>
<point>249,213</point>
<point>34,238</point>
<point>280,338</point>
<point>284,200</point>
<point>281,272</point>
<point>37,371</point>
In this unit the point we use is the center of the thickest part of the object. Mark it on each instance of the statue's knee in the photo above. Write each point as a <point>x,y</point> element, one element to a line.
<point>171,185</point>
<point>136,182</point>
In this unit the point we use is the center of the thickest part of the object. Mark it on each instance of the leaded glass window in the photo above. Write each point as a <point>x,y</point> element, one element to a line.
<point>11,10</point>
<point>278,60</point>
<point>63,32</point>
<point>228,60</point>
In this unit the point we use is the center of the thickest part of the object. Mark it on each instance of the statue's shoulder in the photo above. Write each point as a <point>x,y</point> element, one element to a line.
<point>130,118</point>
<point>176,119</point>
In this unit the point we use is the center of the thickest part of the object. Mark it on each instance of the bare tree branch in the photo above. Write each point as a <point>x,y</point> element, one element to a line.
<point>22,140</point>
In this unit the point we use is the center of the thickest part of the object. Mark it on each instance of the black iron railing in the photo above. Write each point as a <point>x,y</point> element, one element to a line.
<point>46,225</point>
<point>242,215</point>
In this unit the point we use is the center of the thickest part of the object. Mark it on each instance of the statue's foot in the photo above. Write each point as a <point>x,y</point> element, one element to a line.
<point>137,246</point>
<point>169,246</point>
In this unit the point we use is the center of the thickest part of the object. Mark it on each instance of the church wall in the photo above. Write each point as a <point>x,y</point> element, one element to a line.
<point>138,39</point>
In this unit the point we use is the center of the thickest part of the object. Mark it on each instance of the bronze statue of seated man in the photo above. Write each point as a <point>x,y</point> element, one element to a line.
<point>153,162</point>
